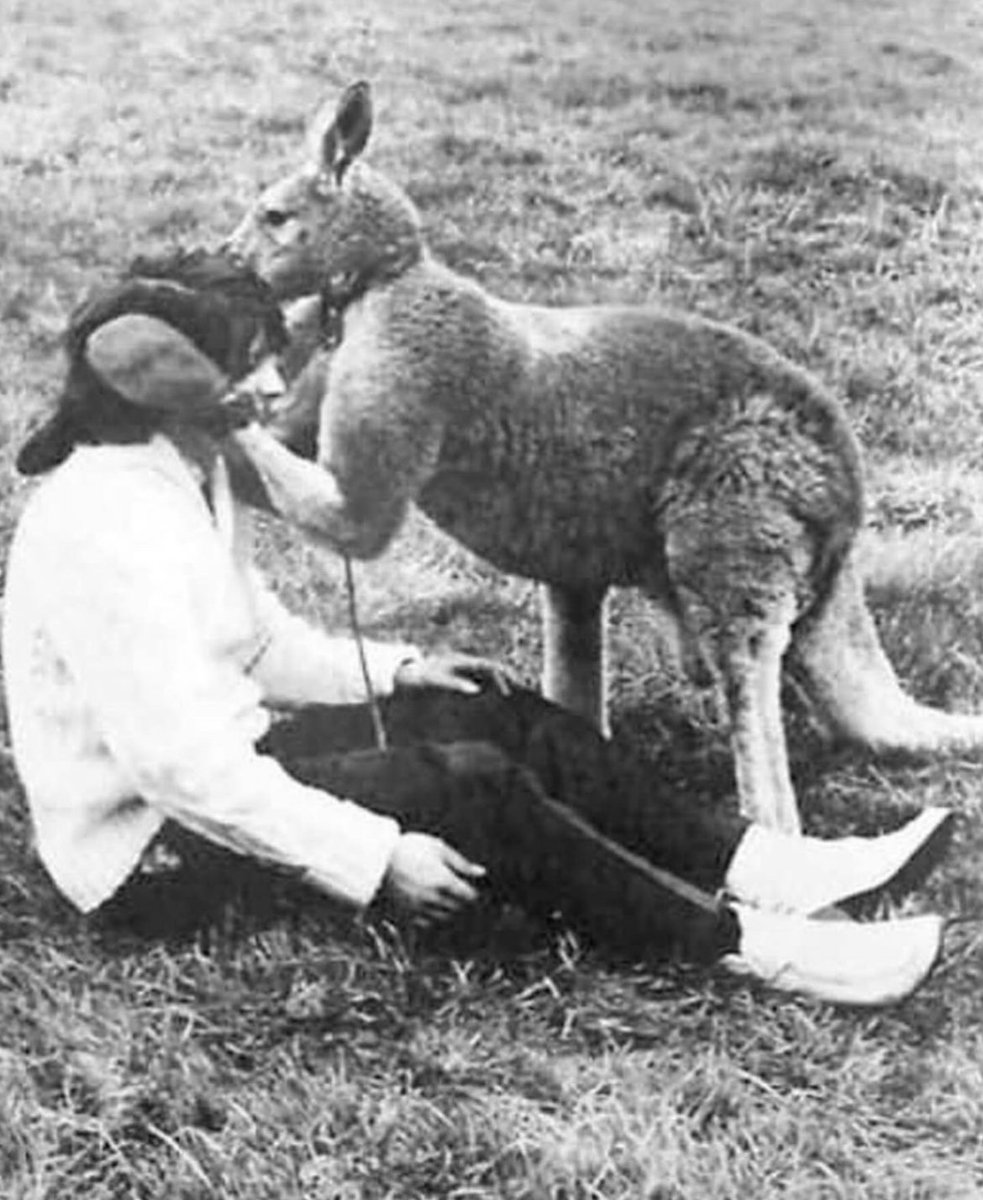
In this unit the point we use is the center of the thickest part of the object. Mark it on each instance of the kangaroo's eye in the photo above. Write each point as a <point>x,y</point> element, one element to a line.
<point>276,217</point>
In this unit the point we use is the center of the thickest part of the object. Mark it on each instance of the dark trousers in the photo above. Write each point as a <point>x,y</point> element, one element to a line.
<point>564,821</point>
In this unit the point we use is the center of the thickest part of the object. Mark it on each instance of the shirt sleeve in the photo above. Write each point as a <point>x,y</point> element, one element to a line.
<point>181,722</point>
<point>301,664</point>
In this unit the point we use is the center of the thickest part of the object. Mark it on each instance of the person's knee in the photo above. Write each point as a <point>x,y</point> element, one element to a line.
<point>436,715</point>
<point>470,760</point>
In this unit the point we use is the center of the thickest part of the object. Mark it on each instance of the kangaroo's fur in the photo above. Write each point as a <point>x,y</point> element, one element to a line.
<point>590,447</point>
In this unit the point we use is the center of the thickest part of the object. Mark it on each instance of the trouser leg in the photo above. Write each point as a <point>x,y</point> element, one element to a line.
<point>589,855</point>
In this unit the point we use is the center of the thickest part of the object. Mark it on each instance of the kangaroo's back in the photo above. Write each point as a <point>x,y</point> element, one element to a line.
<point>581,377</point>
<point>563,430</point>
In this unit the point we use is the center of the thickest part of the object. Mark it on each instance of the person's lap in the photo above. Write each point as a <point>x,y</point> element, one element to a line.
<point>601,780</point>
<point>185,882</point>
<point>473,770</point>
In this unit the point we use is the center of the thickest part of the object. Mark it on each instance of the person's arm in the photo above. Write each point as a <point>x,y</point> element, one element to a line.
<point>180,722</point>
<point>300,663</point>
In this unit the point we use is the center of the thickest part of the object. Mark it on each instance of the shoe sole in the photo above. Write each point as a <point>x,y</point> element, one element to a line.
<point>913,980</point>
<point>916,945</point>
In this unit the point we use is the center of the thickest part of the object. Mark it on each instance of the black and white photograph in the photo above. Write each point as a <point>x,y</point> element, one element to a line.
<point>491,600</point>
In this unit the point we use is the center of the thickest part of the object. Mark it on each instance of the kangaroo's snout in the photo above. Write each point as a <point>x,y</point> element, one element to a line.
<point>235,246</point>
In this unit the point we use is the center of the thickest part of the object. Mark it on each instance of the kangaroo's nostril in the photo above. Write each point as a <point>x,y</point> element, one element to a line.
<point>228,250</point>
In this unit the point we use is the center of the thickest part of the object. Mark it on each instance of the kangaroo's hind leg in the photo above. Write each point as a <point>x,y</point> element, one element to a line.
<point>741,576</point>
<point>575,651</point>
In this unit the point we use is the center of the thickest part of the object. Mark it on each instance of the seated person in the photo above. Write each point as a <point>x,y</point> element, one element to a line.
<point>145,661</point>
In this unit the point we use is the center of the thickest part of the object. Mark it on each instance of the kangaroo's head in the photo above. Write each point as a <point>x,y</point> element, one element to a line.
<point>326,226</point>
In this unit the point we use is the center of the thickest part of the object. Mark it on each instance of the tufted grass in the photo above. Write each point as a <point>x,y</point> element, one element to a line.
<point>810,171</point>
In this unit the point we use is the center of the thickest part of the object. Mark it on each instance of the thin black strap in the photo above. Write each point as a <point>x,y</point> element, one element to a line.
<point>378,725</point>
<point>657,875</point>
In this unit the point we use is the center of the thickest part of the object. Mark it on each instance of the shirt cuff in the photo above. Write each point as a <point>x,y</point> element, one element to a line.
<point>354,864</point>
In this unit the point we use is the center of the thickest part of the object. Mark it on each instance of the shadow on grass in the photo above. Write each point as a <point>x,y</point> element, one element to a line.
<point>694,762</point>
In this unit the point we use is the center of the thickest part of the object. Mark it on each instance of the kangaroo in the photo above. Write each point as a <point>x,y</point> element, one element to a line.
<point>587,448</point>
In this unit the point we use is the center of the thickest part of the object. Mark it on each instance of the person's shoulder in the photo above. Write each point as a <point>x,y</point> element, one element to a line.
<point>102,491</point>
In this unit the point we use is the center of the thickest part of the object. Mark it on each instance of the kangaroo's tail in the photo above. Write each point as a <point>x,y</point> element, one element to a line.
<point>838,658</point>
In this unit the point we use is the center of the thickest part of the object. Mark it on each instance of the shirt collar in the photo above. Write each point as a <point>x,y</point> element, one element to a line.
<point>159,452</point>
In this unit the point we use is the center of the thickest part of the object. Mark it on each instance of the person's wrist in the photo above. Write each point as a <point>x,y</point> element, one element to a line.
<point>388,891</point>
<point>243,406</point>
<point>407,671</point>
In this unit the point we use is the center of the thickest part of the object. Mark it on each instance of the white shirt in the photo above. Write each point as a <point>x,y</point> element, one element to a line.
<point>141,651</point>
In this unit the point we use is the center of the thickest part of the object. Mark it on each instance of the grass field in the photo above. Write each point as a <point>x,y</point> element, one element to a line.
<point>811,171</point>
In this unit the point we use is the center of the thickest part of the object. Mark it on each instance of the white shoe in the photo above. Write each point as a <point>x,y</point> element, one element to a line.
<point>842,962</point>
<point>791,874</point>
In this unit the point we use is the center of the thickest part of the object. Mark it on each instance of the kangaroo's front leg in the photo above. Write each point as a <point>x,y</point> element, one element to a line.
<point>299,491</point>
<point>574,651</point>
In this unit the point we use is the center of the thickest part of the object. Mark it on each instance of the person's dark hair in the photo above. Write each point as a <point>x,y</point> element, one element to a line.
<point>217,303</point>
<point>229,305</point>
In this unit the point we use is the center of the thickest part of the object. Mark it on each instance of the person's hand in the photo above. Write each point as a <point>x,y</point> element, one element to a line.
<point>464,673</point>
<point>428,879</point>
<point>256,397</point>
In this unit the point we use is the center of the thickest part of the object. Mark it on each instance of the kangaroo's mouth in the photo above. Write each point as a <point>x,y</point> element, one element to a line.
<point>232,250</point>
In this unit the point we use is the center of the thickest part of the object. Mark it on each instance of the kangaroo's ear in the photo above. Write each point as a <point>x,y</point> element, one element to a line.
<point>339,142</point>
